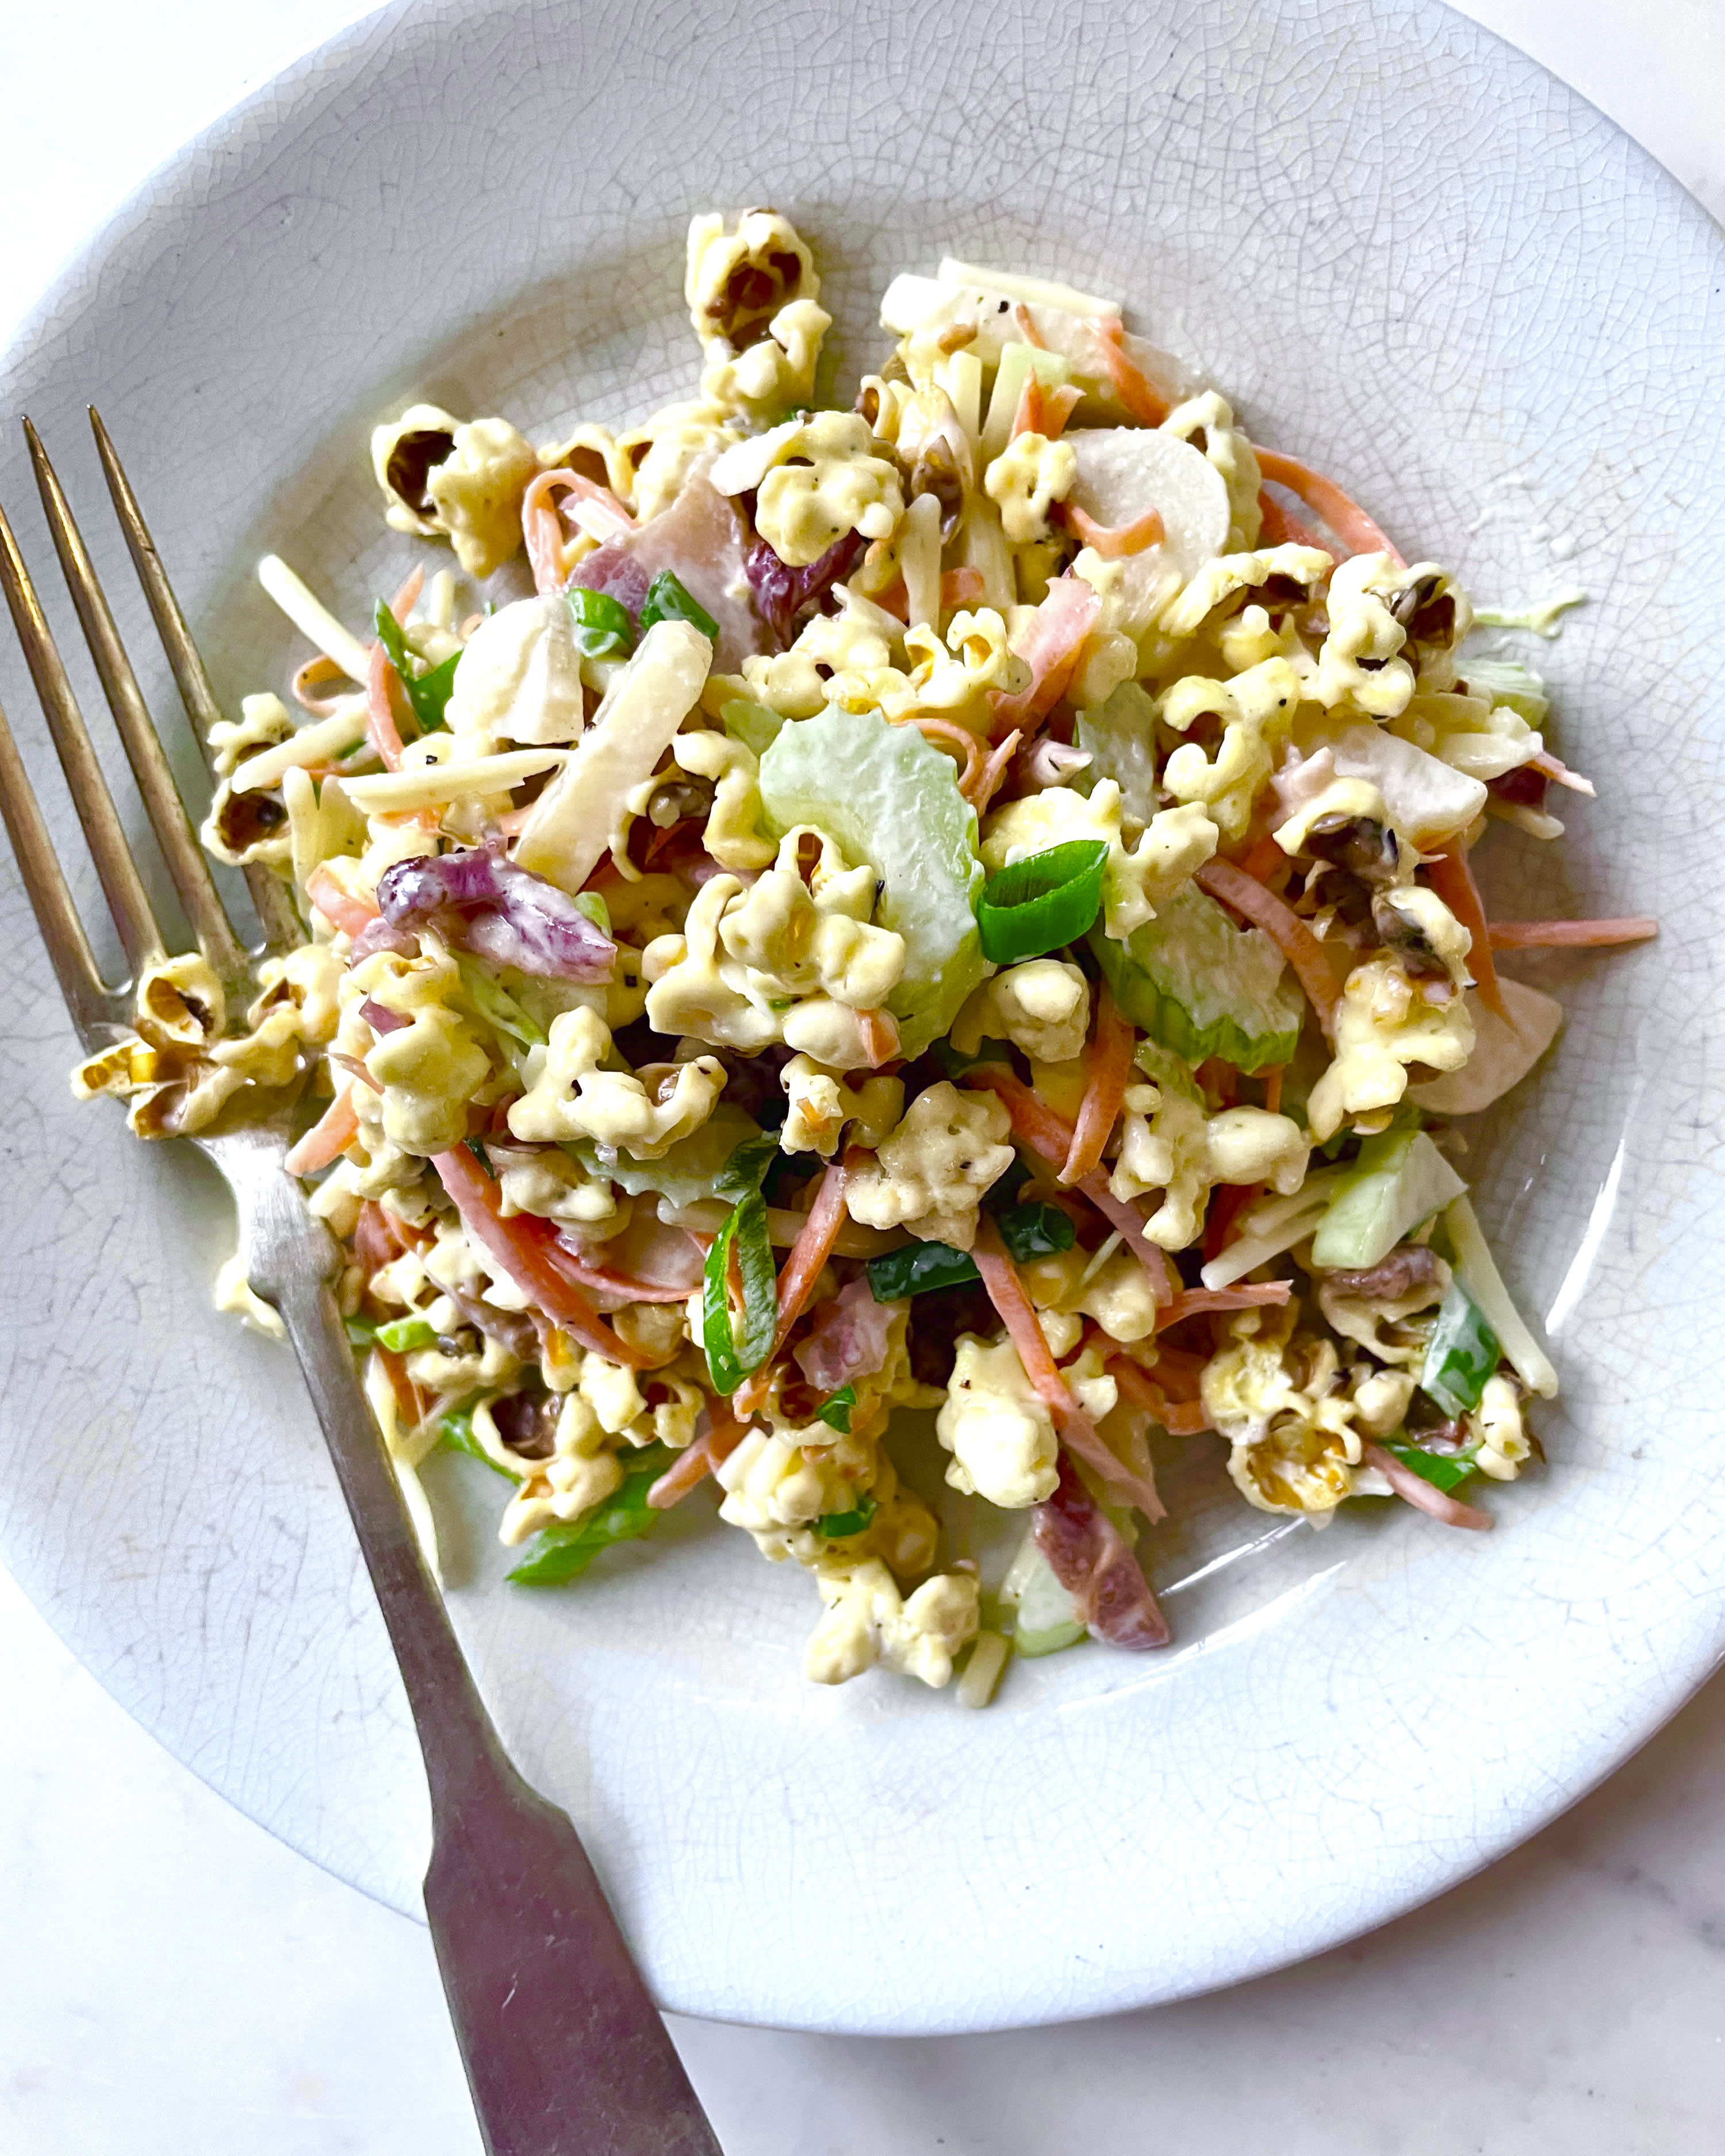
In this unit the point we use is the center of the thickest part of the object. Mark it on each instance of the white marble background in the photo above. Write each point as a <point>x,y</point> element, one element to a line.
<point>173,1983</point>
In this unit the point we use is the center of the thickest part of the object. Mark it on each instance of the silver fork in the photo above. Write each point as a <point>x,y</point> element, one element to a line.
<point>564,2051</point>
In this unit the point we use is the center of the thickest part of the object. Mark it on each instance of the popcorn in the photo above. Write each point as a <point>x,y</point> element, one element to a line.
<point>929,1175</point>
<point>1028,477</point>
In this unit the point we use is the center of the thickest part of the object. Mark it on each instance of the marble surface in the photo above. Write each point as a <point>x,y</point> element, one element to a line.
<point>173,1980</point>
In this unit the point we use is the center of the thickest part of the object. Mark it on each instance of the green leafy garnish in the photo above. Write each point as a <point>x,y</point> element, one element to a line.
<point>602,627</point>
<point>1461,1355</point>
<point>729,1360</point>
<point>1036,1230</point>
<point>836,1526</point>
<point>401,1336</point>
<point>455,1434</point>
<point>668,599</point>
<point>919,1269</point>
<point>562,1551</point>
<point>1044,903</point>
<point>1444,1471</point>
<point>835,1412</point>
<point>428,692</point>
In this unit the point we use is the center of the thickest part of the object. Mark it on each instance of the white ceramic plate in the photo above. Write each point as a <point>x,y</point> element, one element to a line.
<point>1409,256</point>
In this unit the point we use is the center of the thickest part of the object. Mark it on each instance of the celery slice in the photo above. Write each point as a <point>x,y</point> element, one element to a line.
<point>1201,987</point>
<point>1399,1179</point>
<point>890,798</point>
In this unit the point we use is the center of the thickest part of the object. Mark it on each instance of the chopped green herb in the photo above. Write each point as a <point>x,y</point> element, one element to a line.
<point>603,628</point>
<point>1035,1231</point>
<point>835,1527</point>
<point>1444,1471</point>
<point>482,1157</point>
<point>745,1170</point>
<point>835,1413</point>
<point>401,1336</point>
<point>919,1269</point>
<point>561,1552</point>
<point>428,692</point>
<point>1462,1354</point>
<point>1041,904</point>
<point>668,599</point>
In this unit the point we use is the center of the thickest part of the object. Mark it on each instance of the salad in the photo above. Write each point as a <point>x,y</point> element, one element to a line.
<point>954,900</point>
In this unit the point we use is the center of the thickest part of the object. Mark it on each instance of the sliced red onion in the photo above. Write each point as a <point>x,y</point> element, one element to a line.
<point>380,1019</point>
<point>1090,1559</point>
<point>849,1338</point>
<point>782,593</point>
<point>380,934</point>
<point>502,912</point>
<point>1525,785</point>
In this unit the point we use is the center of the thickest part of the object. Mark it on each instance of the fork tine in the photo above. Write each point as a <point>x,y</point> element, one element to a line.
<point>63,932</point>
<point>275,911</point>
<point>168,819</point>
<point>121,886</point>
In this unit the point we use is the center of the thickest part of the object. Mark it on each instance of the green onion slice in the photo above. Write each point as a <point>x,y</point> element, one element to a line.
<point>403,1335</point>
<point>835,1527</point>
<point>1038,904</point>
<point>603,628</point>
<point>729,1360</point>
<point>563,1551</point>
<point>1463,1352</point>
<point>1035,1231</point>
<point>1444,1471</point>
<point>835,1412</point>
<point>668,599</point>
<point>428,693</point>
<point>919,1269</point>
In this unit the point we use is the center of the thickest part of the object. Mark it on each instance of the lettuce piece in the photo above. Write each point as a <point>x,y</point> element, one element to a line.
<point>1507,682</point>
<point>890,798</point>
<point>1201,987</point>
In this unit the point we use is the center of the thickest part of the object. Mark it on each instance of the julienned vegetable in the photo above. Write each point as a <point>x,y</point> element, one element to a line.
<point>1201,987</point>
<point>563,1551</point>
<point>1042,903</point>
<point>731,1359</point>
<point>1399,1181</point>
<point>427,688</point>
<point>1463,1352</point>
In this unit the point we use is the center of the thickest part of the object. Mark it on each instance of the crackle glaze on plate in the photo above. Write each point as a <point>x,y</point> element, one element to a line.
<point>1409,256</point>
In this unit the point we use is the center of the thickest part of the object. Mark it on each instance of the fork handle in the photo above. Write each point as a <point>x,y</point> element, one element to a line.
<point>565,2052</point>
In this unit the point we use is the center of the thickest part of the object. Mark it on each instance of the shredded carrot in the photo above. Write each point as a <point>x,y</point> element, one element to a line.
<point>1228,1201</point>
<point>543,532</point>
<point>1272,1087</point>
<point>1281,527</point>
<point>380,719</point>
<point>518,1244</point>
<point>801,1270</point>
<point>402,605</point>
<point>1340,511</point>
<point>339,908</point>
<point>314,674</point>
<point>1425,1496</point>
<point>1263,858</point>
<point>969,748</point>
<point>961,587</point>
<point>1006,1292</point>
<point>1049,645</point>
<point>1025,327</point>
<point>1049,1135</point>
<point>1301,949</point>
<point>329,1137</point>
<point>1028,418</point>
<point>1573,934</point>
<point>1180,1418</point>
<point>723,1434</point>
<point>880,1036</point>
<point>1219,1079</point>
<point>1452,879</point>
<point>1114,540</point>
<point>993,773</point>
<point>1144,402</point>
<point>1195,1301</point>
<point>1560,773</point>
<point>1058,406</point>
<point>895,600</point>
<point>1111,1071</point>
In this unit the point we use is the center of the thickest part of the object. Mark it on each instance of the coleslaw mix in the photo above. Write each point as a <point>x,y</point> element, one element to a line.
<point>957,901</point>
